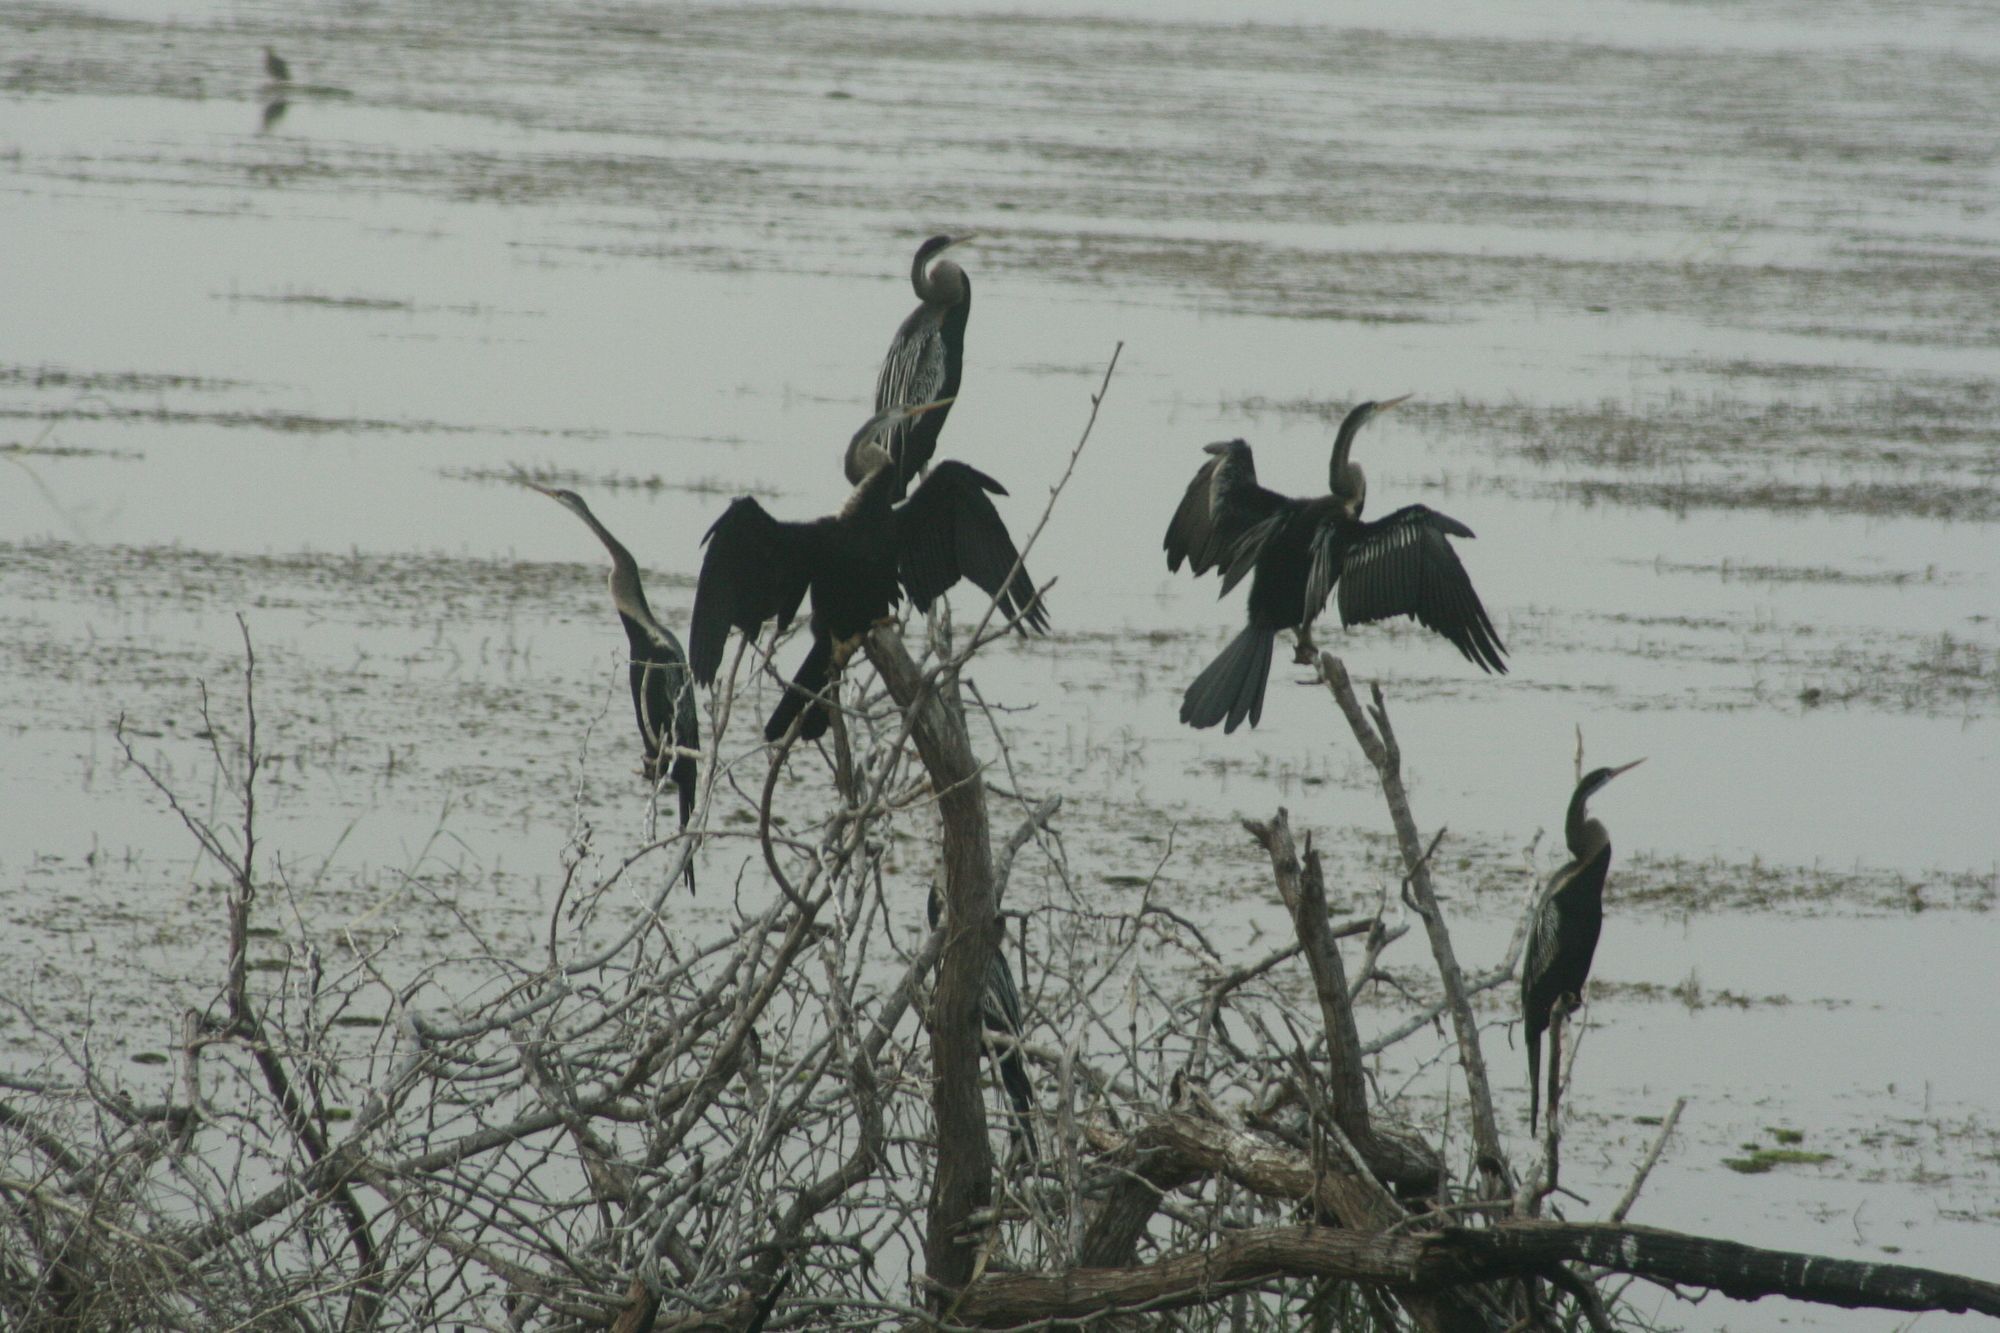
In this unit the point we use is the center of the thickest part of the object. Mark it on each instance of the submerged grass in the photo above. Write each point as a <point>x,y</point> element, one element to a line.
<point>1764,1159</point>
<point>574,479</point>
<point>1911,447</point>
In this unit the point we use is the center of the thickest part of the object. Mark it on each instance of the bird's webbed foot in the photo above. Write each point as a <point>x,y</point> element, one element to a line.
<point>843,652</point>
<point>1305,652</point>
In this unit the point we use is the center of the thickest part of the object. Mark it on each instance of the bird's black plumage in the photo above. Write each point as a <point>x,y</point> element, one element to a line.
<point>925,362</point>
<point>1296,552</point>
<point>662,686</point>
<point>1000,1012</point>
<point>1568,919</point>
<point>857,565</point>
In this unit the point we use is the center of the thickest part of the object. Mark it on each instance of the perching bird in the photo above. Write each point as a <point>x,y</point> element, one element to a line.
<point>1000,1011</point>
<point>924,362</point>
<point>662,688</point>
<point>857,564</point>
<point>1299,550</point>
<point>1567,920</point>
<point>275,66</point>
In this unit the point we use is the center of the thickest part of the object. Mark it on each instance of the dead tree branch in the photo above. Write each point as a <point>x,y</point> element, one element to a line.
<point>1457,1256</point>
<point>1378,742</point>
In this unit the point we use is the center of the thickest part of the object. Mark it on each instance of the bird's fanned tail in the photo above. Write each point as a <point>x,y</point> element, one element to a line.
<point>813,676</point>
<point>1232,686</point>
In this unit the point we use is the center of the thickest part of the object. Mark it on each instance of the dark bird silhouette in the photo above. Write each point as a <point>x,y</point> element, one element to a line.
<point>662,688</point>
<point>924,362</point>
<point>275,67</point>
<point>1567,921</point>
<point>857,564</point>
<point>1000,1011</point>
<point>1298,550</point>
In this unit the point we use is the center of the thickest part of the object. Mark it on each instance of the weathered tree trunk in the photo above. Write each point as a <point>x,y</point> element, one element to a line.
<point>1378,742</point>
<point>1302,882</point>
<point>1409,1265</point>
<point>963,1183</point>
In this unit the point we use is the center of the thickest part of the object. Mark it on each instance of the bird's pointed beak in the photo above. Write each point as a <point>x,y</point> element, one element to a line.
<point>536,486</point>
<point>1219,447</point>
<point>959,240</point>
<point>1625,768</point>
<point>922,408</point>
<point>1388,403</point>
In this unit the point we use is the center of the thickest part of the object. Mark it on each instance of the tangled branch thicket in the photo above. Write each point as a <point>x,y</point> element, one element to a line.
<point>783,1125</point>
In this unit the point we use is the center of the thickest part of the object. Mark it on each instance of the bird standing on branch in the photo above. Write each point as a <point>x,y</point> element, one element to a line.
<point>924,362</point>
<point>662,686</point>
<point>1563,938</point>
<point>1297,551</point>
<point>1000,1012</point>
<point>857,564</point>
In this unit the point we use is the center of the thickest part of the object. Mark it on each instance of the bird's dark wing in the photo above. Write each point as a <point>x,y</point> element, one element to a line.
<point>948,530</point>
<point>663,698</point>
<point>1403,565</point>
<point>1222,503</point>
<point>916,370</point>
<point>662,686</point>
<point>1000,1011</point>
<point>1240,557</point>
<point>756,568</point>
<point>1564,938</point>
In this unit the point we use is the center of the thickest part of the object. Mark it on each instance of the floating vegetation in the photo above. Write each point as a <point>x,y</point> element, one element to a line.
<point>574,479</point>
<point>361,303</point>
<point>65,451</point>
<point>1764,1159</point>
<point>1730,571</point>
<point>108,381</point>
<point>1685,884</point>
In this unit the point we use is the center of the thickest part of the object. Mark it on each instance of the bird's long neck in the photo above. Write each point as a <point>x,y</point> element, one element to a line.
<point>627,594</point>
<point>874,489</point>
<point>942,284</point>
<point>1344,477</point>
<point>1586,836</point>
<point>1349,485</point>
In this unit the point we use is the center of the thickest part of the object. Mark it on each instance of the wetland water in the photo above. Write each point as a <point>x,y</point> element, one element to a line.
<point>1701,309</point>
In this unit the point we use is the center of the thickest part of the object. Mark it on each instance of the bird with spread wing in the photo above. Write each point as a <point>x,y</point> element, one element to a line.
<point>1297,551</point>
<point>857,564</point>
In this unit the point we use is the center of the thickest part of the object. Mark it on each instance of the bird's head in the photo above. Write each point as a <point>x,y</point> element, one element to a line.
<point>1344,477</point>
<point>869,449</point>
<point>945,281</point>
<point>569,500</point>
<point>1595,779</point>
<point>1363,413</point>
